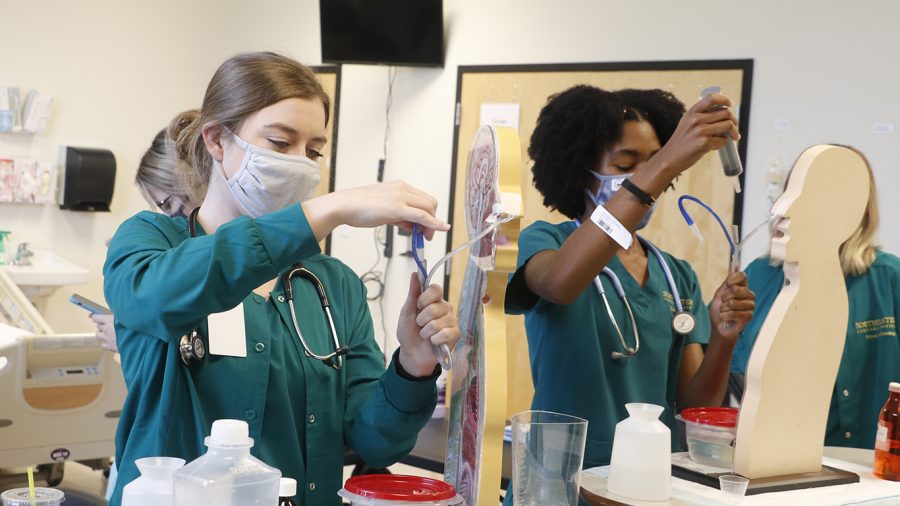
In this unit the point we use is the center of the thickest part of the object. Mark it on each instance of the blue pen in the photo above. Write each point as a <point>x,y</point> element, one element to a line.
<point>442,352</point>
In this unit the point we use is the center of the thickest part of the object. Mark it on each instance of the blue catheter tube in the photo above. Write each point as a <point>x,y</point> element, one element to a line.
<point>690,222</point>
<point>442,352</point>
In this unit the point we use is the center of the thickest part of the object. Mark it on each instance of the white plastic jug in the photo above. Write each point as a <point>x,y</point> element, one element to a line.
<point>641,464</point>
<point>227,475</point>
<point>155,484</point>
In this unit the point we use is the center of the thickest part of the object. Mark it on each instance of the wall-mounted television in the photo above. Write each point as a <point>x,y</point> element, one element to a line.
<point>386,32</point>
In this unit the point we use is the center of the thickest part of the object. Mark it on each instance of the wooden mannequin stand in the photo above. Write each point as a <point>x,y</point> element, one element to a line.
<point>795,360</point>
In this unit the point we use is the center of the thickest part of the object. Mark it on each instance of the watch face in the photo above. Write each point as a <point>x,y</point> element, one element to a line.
<point>683,323</point>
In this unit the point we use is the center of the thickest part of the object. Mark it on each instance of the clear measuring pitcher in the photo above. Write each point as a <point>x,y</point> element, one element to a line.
<point>227,475</point>
<point>547,453</point>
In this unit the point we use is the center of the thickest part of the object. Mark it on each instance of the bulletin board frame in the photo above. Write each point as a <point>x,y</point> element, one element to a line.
<point>330,77</point>
<point>685,78</point>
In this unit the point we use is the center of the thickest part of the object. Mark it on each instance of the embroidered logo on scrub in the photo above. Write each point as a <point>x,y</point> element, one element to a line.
<point>687,304</point>
<point>879,327</point>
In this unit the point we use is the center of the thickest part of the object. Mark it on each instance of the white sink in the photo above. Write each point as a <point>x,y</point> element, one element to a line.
<point>47,270</point>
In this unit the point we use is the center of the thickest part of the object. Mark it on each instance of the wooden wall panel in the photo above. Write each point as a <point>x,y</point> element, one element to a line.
<point>330,77</point>
<point>530,86</point>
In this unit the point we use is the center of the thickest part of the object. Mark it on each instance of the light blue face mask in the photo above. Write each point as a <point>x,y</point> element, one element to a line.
<point>610,185</point>
<point>268,181</point>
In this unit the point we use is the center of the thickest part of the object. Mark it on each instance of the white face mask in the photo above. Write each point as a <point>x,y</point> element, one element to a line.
<point>269,181</point>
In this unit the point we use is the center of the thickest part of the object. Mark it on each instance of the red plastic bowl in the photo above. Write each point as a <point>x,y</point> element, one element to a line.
<point>397,487</point>
<point>717,417</point>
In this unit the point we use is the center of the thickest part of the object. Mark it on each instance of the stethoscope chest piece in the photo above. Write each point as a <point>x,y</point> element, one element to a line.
<point>191,348</point>
<point>683,323</point>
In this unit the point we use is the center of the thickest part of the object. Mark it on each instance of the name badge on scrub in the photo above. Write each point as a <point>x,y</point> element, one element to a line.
<point>227,335</point>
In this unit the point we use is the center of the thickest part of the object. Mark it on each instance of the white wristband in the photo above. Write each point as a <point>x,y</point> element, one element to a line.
<point>609,224</point>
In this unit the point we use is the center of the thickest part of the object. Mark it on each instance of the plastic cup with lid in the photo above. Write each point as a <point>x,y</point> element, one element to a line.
<point>42,497</point>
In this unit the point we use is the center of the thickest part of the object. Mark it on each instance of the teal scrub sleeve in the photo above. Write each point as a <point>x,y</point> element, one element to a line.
<point>164,289</point>
<point>385,411</point>
<point>537,237</point>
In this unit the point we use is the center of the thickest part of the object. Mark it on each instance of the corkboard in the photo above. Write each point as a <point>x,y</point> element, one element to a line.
<point>530,86</point>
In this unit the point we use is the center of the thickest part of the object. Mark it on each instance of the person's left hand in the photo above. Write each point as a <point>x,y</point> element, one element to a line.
<point>106,331</point>
<point>425,318</point>
<point>732,306</point>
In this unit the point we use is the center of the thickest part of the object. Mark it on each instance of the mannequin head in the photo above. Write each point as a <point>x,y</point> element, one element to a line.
<point>823,203</point>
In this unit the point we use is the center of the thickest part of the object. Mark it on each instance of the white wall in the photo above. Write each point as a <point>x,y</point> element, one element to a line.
<point>830,67</point>
<point>118,71</point>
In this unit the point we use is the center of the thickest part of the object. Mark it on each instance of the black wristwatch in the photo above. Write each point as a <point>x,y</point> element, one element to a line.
<point>641,195</point>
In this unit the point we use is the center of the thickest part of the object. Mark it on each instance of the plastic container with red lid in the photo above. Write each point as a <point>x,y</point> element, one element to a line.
<point>385,489</point>
<point>710,435</point>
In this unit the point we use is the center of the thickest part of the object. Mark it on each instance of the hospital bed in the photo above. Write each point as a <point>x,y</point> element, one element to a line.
<point>60,394</point>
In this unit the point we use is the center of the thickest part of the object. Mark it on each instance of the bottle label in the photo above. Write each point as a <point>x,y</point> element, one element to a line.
<point>881,438</point>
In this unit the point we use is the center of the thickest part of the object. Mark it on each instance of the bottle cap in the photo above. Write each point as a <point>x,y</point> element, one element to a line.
<point>230,433</point>
<point>895,387</point>
<point>287,487</point>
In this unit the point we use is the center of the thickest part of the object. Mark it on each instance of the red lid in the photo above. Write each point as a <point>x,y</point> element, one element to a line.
<point>398,487</point>
<point>717,417</point>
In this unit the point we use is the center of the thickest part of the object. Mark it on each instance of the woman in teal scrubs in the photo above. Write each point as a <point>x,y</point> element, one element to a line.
<point>586,144</point>
<point>871,359</point>
<point>254,144</point>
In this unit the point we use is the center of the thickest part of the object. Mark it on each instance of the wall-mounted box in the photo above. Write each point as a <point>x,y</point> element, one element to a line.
<point>88,179</point>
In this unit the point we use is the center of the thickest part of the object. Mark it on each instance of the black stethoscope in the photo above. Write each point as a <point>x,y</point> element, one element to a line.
<point>682,321</point>
<point>191,346</point>
<point>333,359</point>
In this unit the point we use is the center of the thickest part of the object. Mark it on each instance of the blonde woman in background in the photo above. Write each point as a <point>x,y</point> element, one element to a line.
<point>871,358</point>
<point>161,178</point>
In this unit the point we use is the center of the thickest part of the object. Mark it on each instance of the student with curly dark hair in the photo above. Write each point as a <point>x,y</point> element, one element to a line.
<point>587,144</point>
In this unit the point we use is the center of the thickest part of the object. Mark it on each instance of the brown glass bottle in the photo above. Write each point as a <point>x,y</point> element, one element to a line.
<point>887,439</point>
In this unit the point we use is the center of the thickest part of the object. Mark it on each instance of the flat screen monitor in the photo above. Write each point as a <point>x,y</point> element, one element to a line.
<point>386,32</point>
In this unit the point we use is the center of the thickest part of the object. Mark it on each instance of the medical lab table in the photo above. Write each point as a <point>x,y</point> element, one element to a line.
<point>879,492</point>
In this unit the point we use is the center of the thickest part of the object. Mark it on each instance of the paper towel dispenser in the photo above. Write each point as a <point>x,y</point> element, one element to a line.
<point>89,176</point>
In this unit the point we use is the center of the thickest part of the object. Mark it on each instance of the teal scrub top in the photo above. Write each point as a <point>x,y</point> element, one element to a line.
<point>871,359</point>
<point>570,345</point>
<point>161,284</point>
